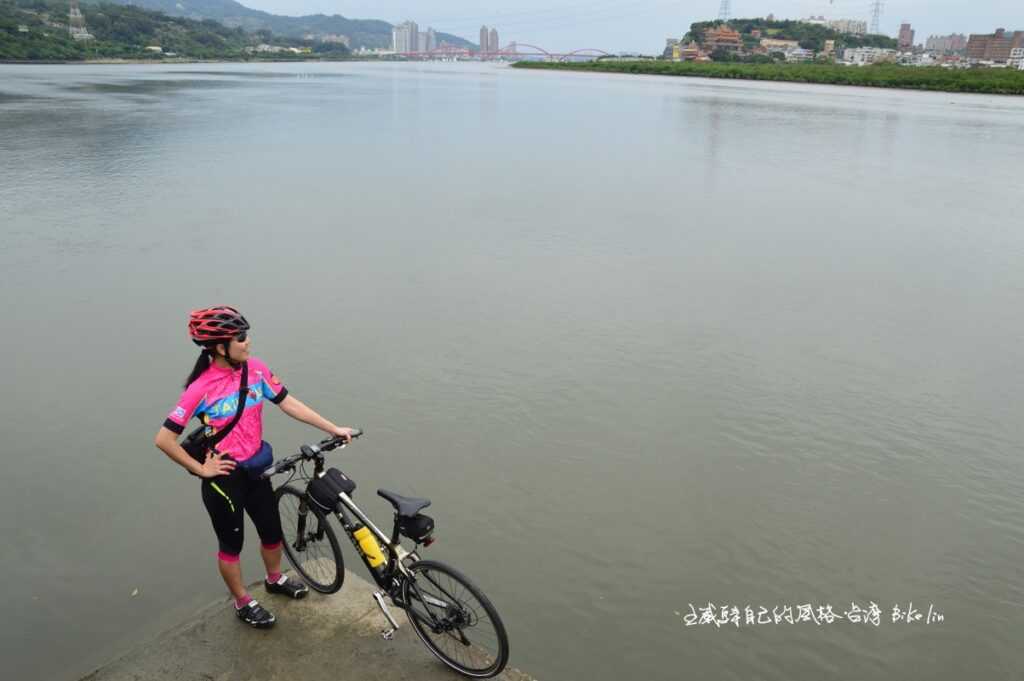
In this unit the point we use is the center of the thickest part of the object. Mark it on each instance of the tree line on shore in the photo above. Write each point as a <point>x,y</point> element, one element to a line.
<point>984,81</point>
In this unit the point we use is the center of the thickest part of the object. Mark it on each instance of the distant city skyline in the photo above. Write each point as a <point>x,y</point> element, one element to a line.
<point>643,25</point>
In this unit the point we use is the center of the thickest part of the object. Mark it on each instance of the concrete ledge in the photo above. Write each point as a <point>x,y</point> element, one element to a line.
<point>328,638</point>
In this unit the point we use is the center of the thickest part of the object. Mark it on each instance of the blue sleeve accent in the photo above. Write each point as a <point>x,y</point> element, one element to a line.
<point>265,389</point>
<point>270,393</point>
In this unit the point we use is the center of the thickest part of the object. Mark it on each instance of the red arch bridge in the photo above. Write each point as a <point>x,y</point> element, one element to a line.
<point>513,51</point>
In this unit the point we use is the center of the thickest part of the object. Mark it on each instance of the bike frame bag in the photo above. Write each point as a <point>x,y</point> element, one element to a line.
<point>325,490</point>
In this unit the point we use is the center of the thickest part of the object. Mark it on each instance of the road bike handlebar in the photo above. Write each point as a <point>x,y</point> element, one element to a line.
<point>308,453</point>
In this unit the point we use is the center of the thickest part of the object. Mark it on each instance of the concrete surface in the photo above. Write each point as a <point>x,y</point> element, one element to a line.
<point>333,638</point>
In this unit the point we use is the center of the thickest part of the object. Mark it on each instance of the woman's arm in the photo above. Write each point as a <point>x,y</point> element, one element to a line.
<point>300,412</point>
<point>167,441</point>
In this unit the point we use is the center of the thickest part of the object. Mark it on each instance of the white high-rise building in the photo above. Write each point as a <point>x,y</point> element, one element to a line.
<point>428,40</point>
<point>405,37</point>
<point>485,37</point>
<point>399,38</point>
<point>492,40</point>
<point>414,36</point>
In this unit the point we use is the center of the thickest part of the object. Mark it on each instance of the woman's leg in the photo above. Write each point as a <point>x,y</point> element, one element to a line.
<point>261,505</point>
<point>231,572</point>
<point>271,559</point>
<point>224,498</point>
<point>223,501</point>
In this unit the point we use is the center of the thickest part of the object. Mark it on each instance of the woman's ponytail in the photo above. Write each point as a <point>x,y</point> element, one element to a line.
<point>202,364</point>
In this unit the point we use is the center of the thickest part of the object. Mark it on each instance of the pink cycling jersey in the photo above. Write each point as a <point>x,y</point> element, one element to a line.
<point>213,398</point>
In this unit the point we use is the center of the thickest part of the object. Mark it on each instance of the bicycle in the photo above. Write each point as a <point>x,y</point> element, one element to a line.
<point>443,606</point>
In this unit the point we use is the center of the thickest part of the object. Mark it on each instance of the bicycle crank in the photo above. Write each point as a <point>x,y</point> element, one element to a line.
<point>388,634</point>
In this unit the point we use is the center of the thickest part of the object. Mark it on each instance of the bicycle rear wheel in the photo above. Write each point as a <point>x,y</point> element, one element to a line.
<point>309,541</point>
<point>455,620</point>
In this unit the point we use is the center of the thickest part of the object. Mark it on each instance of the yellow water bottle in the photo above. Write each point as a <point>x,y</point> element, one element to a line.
<point>368,543</point>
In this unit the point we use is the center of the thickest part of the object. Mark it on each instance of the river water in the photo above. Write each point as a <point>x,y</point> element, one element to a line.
<point>646,342</point>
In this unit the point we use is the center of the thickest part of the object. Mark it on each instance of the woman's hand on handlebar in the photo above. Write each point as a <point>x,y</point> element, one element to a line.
<point>344,433</point>
<point>215,465</point>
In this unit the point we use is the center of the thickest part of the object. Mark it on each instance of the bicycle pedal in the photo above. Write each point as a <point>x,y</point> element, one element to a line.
<point>388,634</point>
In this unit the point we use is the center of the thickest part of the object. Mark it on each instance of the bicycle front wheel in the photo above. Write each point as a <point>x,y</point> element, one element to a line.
<point>455,620</point>
<point>309,541</point>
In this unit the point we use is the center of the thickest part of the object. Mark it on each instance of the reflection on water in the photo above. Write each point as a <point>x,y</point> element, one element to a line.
<point>151,87</point>
<point>645,342</point>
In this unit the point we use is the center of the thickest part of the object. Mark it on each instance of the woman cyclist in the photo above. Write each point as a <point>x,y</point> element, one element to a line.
<point>230,473</point>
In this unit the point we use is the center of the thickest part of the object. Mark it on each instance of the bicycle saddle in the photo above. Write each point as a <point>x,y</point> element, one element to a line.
<point>406,506</point>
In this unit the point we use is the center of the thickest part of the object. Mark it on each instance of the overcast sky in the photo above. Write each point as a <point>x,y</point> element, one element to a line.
<point>643,25</point>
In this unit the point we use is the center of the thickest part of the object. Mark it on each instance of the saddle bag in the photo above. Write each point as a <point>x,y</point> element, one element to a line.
<point>417,528</point>
<point>324,490</point>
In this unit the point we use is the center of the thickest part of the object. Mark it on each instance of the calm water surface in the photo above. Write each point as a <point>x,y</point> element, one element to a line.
<point>646,342</point>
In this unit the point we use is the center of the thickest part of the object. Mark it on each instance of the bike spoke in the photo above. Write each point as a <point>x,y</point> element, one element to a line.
<point>307,545</point>
<point>463,631</point>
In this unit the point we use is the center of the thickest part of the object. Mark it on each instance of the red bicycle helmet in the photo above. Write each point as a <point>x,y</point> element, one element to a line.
<point>215,324</point>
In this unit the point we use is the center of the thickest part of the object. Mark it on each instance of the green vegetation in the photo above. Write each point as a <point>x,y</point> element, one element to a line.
<point>987,81</point>
<point>810,36</point>
<point>41,41</point>
<point>35,30</point>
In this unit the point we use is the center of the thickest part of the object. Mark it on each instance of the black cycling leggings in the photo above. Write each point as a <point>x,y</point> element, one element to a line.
<point>225,496</point>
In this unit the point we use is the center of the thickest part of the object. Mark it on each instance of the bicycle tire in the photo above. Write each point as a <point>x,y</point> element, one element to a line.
<point>323,568</point>
<point>478,658</point>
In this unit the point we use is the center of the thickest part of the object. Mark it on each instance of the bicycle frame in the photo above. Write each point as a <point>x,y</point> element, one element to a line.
<point>384,576</point>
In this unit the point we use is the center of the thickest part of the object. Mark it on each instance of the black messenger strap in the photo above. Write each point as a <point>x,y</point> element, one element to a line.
<point>243,388</point>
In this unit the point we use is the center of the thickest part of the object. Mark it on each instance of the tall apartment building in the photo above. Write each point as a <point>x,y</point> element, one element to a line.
<point>414,36</point>
<point>492,40</point>
<point>955,42</point>
<point>485,38</point>
<point>995,47</point>
<point>428,40</point>
<point>400,38</point>
<point>906,37</point>
<point>851,26</point>
<point>405,37</point>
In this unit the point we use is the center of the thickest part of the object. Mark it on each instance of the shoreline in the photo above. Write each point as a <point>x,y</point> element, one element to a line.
<point>317,638</point>
<point>922,79</point>
<point>157,62</point>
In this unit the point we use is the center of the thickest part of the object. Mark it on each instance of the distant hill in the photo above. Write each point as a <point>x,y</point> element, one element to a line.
<point>361,32</point>
<point>35,30</point>
<point>810,36</point>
